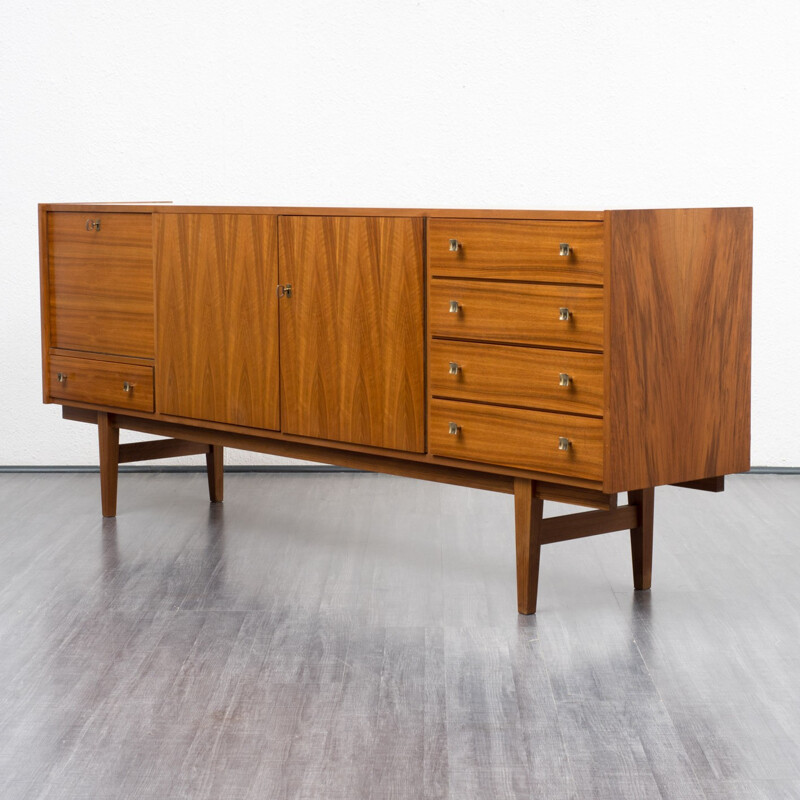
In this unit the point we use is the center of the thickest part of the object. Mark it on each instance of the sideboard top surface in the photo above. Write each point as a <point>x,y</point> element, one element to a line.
<point>168,208</point>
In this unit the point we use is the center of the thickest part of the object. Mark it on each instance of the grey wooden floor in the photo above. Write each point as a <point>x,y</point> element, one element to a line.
<point>349,636</point>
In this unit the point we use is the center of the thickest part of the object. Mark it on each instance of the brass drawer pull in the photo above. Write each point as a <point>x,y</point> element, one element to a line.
<point>92,224</point>
<point>454,368</point>
<point>564,443</point>
<point>564,379</point>
<point>127,387</point>
<point>564,314</point>
<point>61,377</point>
<point>454,307</point>
<point>564,249</point>
<point>455,245</point>
<point>453,429</point>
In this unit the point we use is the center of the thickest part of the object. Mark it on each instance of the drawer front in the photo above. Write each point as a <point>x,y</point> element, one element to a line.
<point>514,437</point>
<point>517,250</point>
<point>101,383</point>
<point>558,380</point>
<point>517,312</point>
<point>101,282</point>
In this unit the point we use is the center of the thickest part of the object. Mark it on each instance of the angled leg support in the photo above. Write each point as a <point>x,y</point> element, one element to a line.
<point>528,523</point>
<point>112,454</point>
<point>215,472</point>
<point>108,436</point>
<point>642,537</point>
<point>532,531</point>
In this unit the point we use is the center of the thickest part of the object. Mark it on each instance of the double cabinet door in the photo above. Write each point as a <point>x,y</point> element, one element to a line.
<point>311,325</point>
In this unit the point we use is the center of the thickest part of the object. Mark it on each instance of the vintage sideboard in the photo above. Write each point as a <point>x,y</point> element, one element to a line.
<point>551,355</point>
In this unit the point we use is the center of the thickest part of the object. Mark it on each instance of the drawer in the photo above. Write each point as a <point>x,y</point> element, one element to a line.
<point>514,437</point>
<point>101,383</point>
<point>101,282</point>
<point>517,376</point>
<point>517,312</point>
<point>517,250</point>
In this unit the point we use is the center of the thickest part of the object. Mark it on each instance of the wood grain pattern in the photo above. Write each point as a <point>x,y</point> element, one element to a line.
<point>102,383</point>
<point>101,283</point>
<point>516,250</point>
<point>352,334</point>
<point>528,530</point>
<point>517,376</point>
<point>517,312</point>
<point>678,346</point>
<point>517,438</point>
<point>218,318</point>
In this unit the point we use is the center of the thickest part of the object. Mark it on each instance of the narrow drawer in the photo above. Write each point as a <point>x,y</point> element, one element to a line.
<point>517,312</point>
<point>558,380</point>
<point>517,250</point>
<point>513,437</point>
<point>101,383</point>
<point>101,282</point>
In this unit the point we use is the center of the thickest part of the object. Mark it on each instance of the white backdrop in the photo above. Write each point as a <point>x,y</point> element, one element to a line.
<point>448,103</point>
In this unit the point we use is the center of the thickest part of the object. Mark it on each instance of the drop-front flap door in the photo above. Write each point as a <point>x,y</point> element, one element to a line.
<point>217,318</point>
<point>352,331</point>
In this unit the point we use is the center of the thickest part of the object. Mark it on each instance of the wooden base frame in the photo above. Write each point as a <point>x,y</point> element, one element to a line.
<point>112,454</point>
<point>532,529</point>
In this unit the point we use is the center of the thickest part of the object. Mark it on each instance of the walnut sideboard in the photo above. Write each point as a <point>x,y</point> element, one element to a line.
<point>562,356</point>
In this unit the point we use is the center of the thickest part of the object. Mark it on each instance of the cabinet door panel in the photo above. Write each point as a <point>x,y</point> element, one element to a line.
<point>101,282</point>
<point>217,318</point>
<point>352,332</point>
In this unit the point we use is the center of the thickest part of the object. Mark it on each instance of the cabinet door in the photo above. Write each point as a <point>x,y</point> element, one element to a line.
<point>217,318</point>
<point>101,282</point>
<point>352,335</point>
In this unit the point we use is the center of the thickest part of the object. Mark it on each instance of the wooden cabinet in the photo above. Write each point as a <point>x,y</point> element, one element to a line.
<point>218,318</point>
<point>552,355</point>
<point>352,333</point>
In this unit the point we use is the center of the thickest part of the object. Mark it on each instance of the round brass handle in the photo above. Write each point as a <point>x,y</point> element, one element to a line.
<point>564,379</point>
<point>453,428</point>
<point>127,387</point>
<point>564,443</point>
<point>61,377</point>
<point>454,368</point>
<point>564,314</point>
<point>455,245</point>
<point>564,249</point>
<point>455,307</point>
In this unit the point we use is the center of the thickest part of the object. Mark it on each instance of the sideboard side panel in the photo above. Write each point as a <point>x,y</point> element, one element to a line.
<point>677,346</point>
<point>44,301</point>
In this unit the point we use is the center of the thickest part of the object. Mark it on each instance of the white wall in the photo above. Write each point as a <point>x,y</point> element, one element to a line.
<point>452,103</point>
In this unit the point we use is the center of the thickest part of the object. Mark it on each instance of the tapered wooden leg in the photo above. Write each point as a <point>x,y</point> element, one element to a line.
<point>109,463</point>
<point>642,537</point>
<point>528,521</point>
<point>215,472</point>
